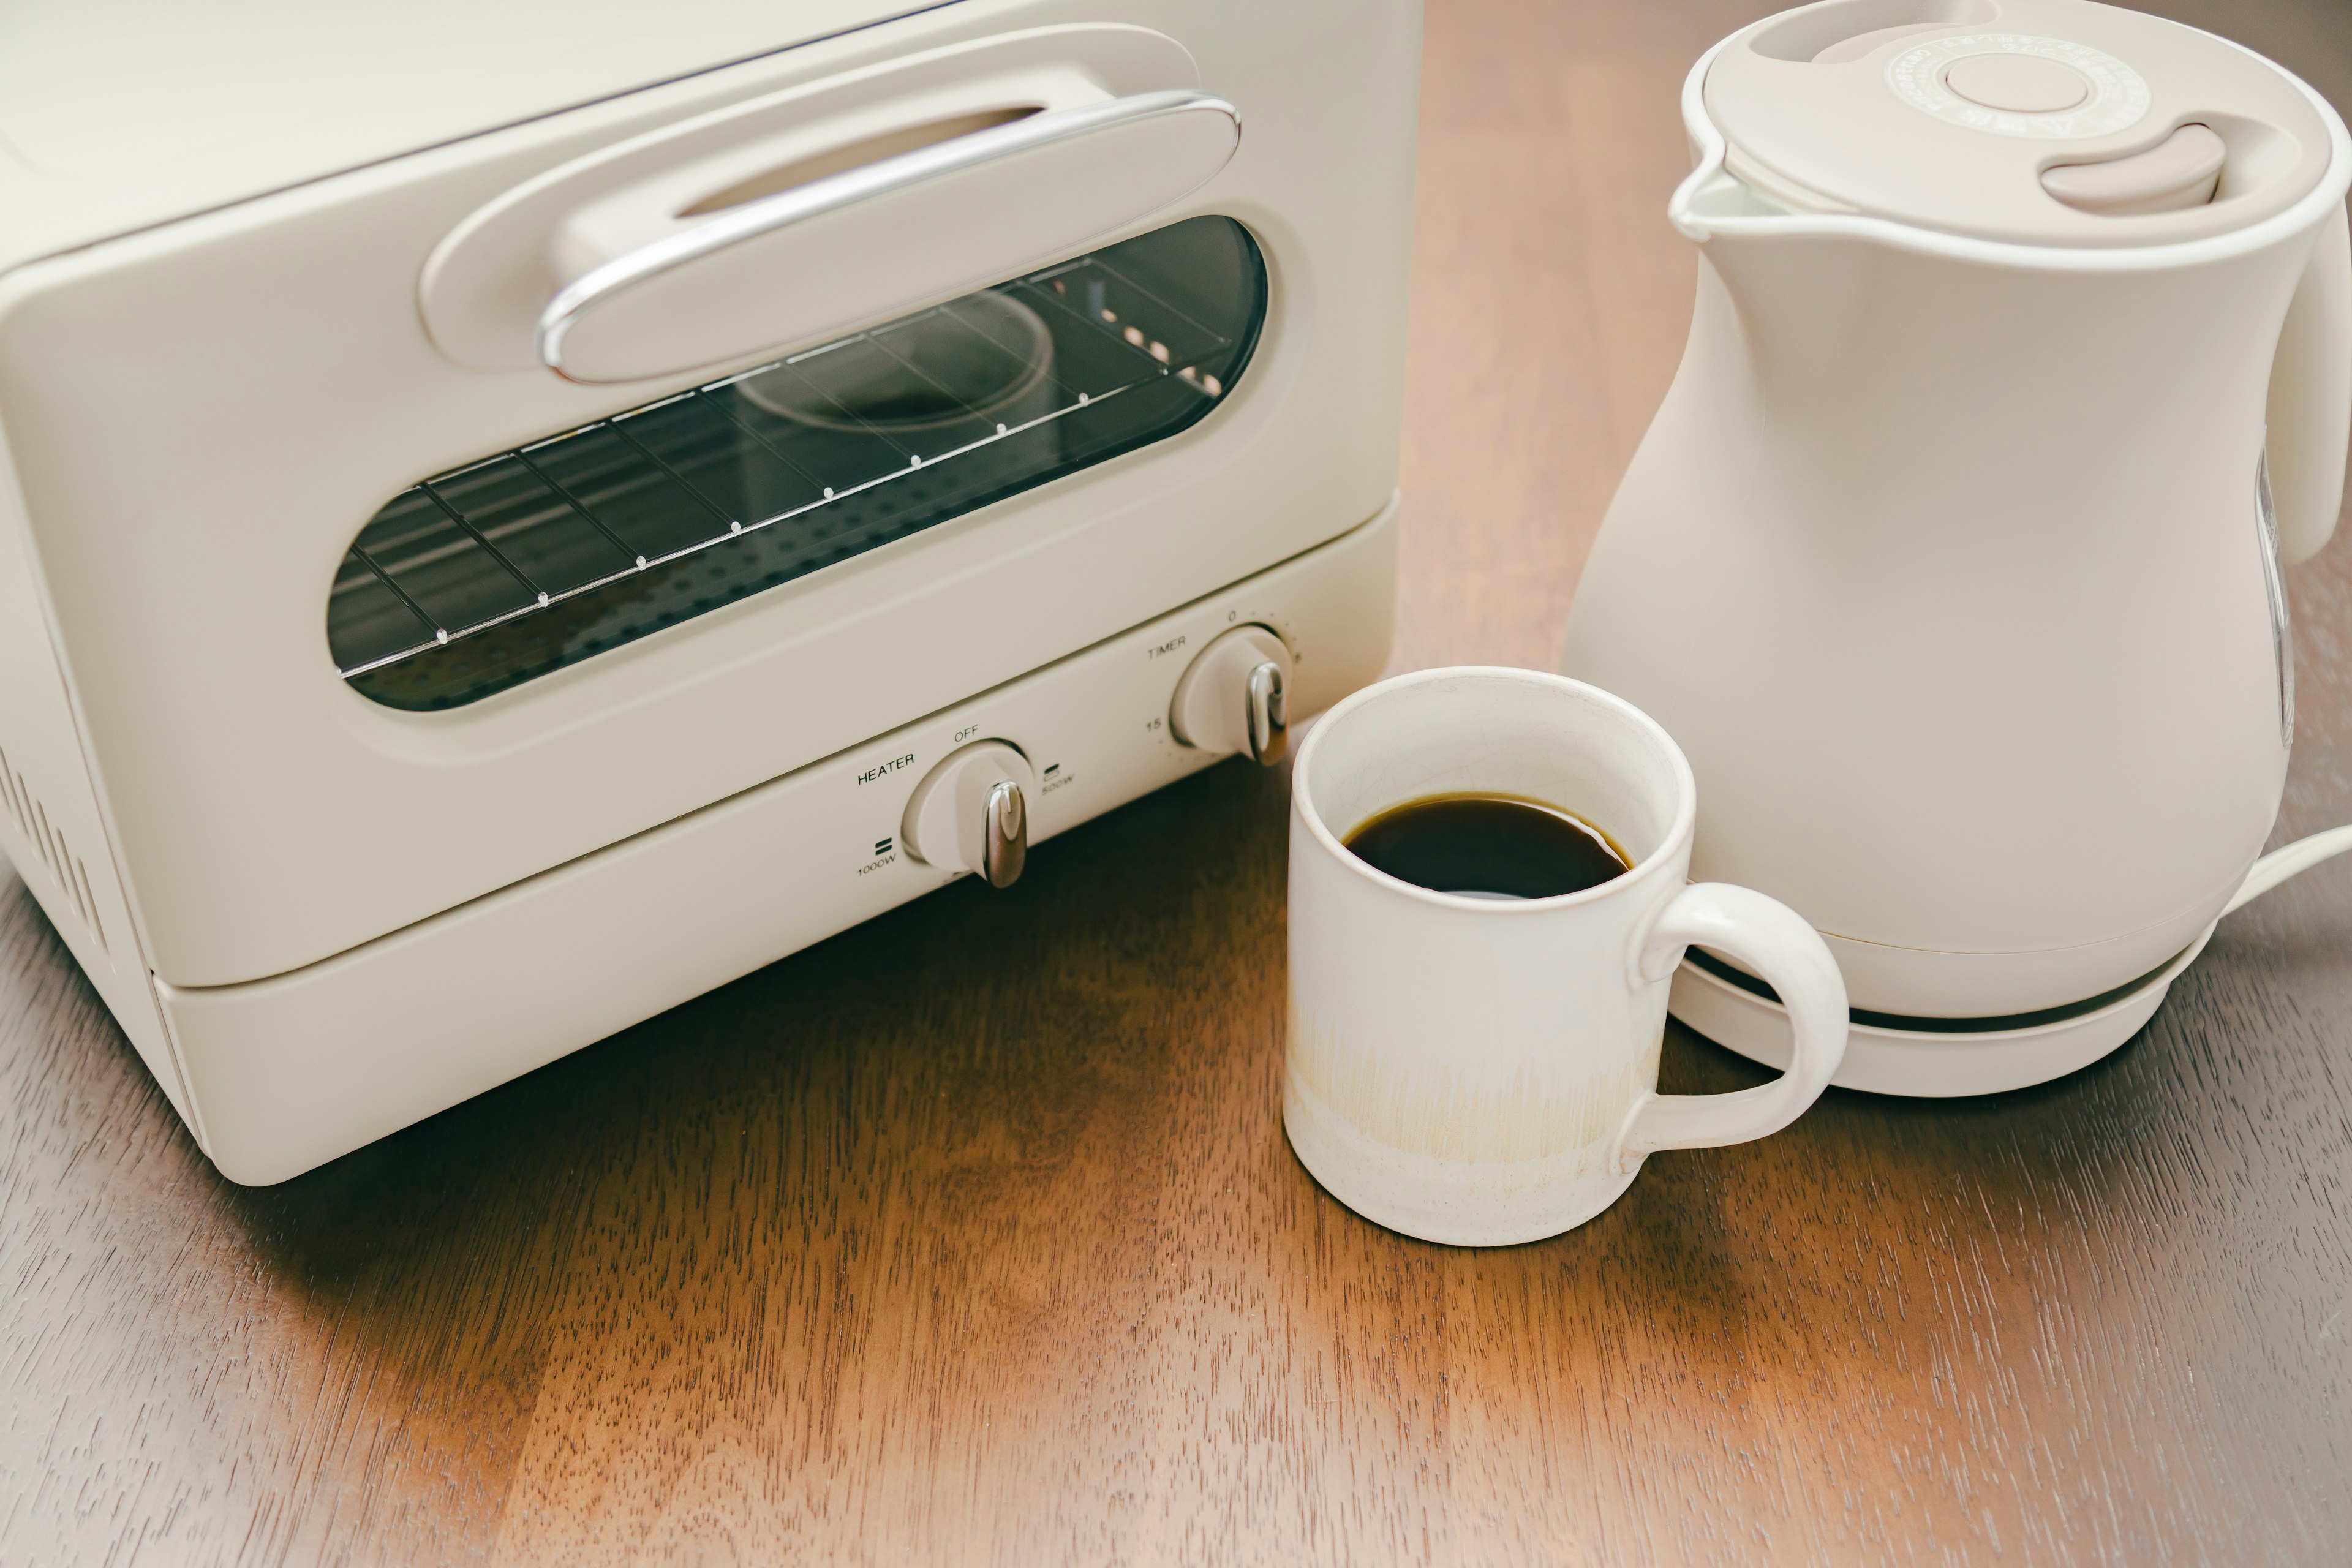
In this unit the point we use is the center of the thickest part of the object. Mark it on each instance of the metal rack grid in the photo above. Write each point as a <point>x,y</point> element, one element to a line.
<point>487,575</point>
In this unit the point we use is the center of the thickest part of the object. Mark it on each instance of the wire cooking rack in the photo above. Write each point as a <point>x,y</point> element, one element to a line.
<point>480,578</point>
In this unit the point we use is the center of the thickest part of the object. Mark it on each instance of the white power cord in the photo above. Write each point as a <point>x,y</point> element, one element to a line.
<point>2294,859</point>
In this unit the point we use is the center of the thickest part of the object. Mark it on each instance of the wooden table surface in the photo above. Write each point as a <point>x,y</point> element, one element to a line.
<point>971,1235</point>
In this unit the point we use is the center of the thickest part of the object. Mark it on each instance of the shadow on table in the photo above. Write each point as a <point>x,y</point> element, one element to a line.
<point>945,1080</point>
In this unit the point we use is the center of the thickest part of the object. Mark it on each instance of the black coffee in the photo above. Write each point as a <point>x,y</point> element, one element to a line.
<point>1488,845</point>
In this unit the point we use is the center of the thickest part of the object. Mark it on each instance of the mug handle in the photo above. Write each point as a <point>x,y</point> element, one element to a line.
<point>1779,944</point>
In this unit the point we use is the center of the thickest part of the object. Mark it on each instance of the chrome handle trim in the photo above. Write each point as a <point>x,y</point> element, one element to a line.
<point>768,213</point>
<point>1269,714</point>
<point>1004,838</point>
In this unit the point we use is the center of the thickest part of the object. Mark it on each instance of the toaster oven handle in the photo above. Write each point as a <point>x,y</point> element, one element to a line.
<point>890,235</point>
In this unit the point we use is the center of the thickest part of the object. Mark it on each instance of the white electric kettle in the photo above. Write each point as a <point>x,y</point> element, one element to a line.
<point>1952,557</point>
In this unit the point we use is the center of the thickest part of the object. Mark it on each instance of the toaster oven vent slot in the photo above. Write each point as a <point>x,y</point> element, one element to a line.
<point>475,580</point>
<point>65,868</point>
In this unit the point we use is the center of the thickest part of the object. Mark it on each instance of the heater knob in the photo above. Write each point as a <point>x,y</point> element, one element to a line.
<point>970,813</point>
<point>1235,696</point>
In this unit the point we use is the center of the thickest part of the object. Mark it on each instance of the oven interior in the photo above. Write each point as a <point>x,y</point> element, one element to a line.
<point>480,579</point>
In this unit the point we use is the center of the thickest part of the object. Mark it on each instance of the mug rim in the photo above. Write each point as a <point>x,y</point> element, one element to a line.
<point>1685,813</point>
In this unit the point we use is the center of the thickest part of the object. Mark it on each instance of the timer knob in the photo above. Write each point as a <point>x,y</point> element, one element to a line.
<point>970,813</point>
<point>1235,696</point>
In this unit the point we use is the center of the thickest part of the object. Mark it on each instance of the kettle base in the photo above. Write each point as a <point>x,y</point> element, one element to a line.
<point>1942,1063</point>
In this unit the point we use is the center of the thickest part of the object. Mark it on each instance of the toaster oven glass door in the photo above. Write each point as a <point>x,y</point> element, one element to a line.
<point>481,578</point>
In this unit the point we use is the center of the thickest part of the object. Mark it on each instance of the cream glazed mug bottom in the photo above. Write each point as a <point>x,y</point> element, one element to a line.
<point>1483,1071</point>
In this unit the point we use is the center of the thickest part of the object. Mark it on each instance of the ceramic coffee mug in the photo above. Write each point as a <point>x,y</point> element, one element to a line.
<point>1484,1071</point>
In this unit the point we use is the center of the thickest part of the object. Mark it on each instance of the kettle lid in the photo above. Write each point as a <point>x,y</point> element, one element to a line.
<point>2058,122</point>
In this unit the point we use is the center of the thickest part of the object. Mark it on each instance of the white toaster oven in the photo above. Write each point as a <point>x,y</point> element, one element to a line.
<point>518,516</point>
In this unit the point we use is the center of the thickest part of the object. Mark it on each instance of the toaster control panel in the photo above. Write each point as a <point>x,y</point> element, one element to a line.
<point>970,813</point>
<point>1235,696</point>
<point>971,791</point>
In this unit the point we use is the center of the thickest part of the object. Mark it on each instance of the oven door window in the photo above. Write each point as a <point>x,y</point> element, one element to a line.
<point>482,578</point>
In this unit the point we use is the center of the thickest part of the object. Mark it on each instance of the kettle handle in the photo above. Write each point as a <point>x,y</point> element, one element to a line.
<point>2311,395</point>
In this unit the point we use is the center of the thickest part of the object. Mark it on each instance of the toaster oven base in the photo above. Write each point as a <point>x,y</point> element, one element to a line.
<point>285,1073</point>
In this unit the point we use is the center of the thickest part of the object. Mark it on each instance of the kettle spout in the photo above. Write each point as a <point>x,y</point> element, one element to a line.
<point>1712,194</point>
<point>1717,200</point>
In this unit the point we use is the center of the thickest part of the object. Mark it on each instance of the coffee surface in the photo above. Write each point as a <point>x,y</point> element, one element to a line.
<point>1487,845</point>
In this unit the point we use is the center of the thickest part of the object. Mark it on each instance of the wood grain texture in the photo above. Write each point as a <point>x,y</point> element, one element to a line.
<point>971,1237</point>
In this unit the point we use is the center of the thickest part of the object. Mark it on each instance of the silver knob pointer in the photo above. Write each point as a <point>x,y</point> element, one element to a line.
<point>1269,714</point>
<point>1004,838</point>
